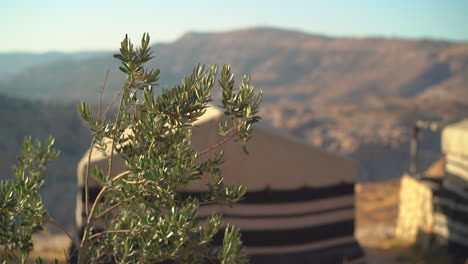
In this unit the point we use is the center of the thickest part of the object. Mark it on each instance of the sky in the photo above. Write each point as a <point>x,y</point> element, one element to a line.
<point>89,25</point>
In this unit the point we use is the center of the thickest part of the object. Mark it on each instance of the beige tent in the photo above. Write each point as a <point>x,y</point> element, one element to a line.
<point>434,209</point>
<point>455,147</point>
<point>300,202</point>
<point>451,216</point>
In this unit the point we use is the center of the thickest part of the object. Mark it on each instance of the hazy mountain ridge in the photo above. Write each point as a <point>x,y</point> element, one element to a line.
<point>351,96</point>
<point>13,62</point>
<point>284,64</point>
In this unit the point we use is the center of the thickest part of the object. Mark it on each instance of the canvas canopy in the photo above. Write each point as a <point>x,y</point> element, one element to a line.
<point>455,148</point>
<point>455,138</point>
<point>276,160</point>
<point>300,200</point>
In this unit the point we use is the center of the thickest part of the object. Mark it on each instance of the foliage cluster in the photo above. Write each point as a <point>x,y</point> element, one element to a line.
<point>145,215</point>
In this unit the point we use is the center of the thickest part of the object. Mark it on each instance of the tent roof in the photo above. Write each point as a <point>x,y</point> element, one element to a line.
<point>276,160</point>
<point>455,138</point>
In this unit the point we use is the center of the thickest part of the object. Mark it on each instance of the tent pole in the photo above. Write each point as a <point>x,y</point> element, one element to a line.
<point>414,151</point>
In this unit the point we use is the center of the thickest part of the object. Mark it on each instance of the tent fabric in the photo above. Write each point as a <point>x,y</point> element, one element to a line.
<point>436,208</point>
<point>297,227</point>
<point>300,200</point>
<point>284,163</point>
<point>456,170</point>
<point>455,147</point>
<point>455,138</point>
<point>451,205</point>
<point>451,219</point>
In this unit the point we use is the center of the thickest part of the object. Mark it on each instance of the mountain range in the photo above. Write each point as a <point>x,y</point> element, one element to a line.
<point>286,65</point>
<point>14,62</point>
<point>357,97</point>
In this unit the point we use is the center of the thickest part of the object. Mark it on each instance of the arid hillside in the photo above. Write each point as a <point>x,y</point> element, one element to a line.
<point>287,65</point>
<point>356,97</point>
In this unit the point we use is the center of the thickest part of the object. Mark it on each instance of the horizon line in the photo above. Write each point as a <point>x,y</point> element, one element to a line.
<point>265,27</point>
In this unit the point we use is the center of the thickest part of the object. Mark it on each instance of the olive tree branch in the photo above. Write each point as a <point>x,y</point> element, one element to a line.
<point>108,210</point>
<point>110,232</point>
<point>219,144</point>
<point>84,245</point>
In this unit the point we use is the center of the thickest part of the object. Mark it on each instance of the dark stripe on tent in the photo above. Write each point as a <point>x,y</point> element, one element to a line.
<point>452,196</point>
<point>288,196</point>
<point>453,214</point>
<point>457,180</point>
<point>432,182</point>
<point>333,254</point>
<point>240,216</point>
<point>458,250</point>
<point>289,237</point>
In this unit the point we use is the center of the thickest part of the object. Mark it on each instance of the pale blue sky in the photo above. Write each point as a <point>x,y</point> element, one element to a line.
<point>63,25</point>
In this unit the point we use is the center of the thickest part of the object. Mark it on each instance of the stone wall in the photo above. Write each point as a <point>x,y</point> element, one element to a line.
<point>415,210</point>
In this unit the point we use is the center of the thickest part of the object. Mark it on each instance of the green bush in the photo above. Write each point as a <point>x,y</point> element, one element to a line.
<point>146,218</point>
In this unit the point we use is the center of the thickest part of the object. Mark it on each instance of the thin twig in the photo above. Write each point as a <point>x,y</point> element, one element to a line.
<point>118,176</point>
<point>109,232</point>
<point>211,202</point>
<point>101,92</point>
<point>91,218</point>
<point>44,218</point>
<point>217,145</point>
<point>58,226</point>
<point>100,195</point>
<point>67,258</point>
<point>135,182</point>
<point>108,210</point>
<point>112,102</point>
<point>88,169</point>
<point>116,127</point>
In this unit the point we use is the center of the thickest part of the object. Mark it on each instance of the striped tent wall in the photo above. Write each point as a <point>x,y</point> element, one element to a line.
<point>451,205</point>
<point>456,170</point>
<point>433,213</point>
<point>434,210</point>
<point>304,224</point>
<point>299,207</point>
<point>451,219</point>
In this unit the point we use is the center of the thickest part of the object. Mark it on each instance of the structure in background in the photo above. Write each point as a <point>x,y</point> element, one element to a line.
<point>300,202</point>
<point>434,206</point>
